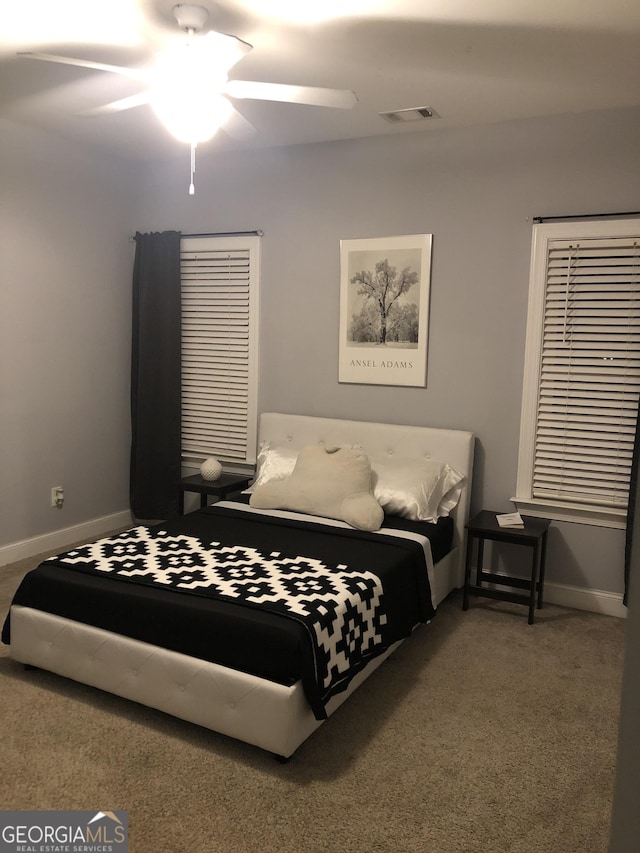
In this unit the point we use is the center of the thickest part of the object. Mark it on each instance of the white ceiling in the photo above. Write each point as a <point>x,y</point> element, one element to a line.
<point>473,61</point>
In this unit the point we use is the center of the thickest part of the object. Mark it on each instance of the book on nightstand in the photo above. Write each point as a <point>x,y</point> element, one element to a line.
<point>509,519</point>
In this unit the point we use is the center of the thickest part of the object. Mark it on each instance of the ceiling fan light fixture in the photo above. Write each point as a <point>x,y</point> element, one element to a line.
<point>186,93</point>
<point>195,64</point>
<point>189,116</point>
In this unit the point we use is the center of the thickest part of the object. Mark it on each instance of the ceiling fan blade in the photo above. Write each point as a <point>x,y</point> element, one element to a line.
<point>228,50</point>
<point>342,99</point>
<point>129,103</point>
<point>134,73</point>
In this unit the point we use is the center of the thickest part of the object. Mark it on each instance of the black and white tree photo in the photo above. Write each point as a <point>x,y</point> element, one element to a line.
<point>384,299</point>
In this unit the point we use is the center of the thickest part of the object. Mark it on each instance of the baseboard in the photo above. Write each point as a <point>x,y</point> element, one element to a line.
<point>579,598</point>
<point>64,537</point>
<point>594,600</point>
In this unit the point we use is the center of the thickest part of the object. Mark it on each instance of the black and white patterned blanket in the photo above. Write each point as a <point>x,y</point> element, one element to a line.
<point>342,610</point>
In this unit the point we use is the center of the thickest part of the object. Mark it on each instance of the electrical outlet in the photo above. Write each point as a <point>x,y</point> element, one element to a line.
<point>57,497</point>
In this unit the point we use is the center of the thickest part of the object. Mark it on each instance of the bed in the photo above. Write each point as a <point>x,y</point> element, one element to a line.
<point>262,675</point>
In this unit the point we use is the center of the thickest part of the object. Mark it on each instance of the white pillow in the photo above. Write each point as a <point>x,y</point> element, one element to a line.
<point>417,488</point>
<point>275,462</point>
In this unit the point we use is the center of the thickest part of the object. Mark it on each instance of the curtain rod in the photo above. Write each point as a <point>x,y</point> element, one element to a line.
<point>586,216</point>
<point>256,232</point>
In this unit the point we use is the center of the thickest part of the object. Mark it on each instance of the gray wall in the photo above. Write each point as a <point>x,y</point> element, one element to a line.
<point>476,191</point>
<point>65,328</point>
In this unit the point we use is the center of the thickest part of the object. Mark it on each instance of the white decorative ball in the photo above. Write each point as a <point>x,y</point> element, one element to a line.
<point>210,469</point>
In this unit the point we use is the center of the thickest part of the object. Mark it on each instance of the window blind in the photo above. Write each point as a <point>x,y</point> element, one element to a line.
<point>589,372</point>
<point>219,277</point>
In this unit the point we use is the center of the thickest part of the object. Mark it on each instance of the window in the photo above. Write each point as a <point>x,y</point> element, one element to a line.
<point>582,371</point>
<point>219,278</point>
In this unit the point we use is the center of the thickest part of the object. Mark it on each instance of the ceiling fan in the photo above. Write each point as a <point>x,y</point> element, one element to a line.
<point>188,87</point>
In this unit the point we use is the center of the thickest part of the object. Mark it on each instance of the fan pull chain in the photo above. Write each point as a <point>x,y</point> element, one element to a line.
<point>192,188</point>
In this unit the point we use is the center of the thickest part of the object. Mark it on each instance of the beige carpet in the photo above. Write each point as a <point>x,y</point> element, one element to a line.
<point>481,734</point>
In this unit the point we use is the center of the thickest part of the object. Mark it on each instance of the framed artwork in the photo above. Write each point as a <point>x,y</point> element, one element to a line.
<point>384,310</point>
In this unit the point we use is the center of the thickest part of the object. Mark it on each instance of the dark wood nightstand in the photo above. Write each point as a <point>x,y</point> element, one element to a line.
<point>225,485</point>
<point>533,535</point>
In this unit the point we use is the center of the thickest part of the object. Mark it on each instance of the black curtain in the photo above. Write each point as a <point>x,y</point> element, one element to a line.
<point>631,511</point>
<point>155,376</point>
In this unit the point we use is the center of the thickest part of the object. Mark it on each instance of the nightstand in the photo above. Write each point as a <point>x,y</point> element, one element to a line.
<point>225,485</point>
<point>533,535</point>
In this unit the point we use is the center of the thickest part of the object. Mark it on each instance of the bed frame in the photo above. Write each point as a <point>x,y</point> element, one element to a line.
<point>272,716</point>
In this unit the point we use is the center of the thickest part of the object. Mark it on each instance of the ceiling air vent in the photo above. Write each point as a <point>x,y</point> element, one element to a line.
<point>411,114</point>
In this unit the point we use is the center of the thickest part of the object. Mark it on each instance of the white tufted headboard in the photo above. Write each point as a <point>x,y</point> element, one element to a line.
<point>446,445</point>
